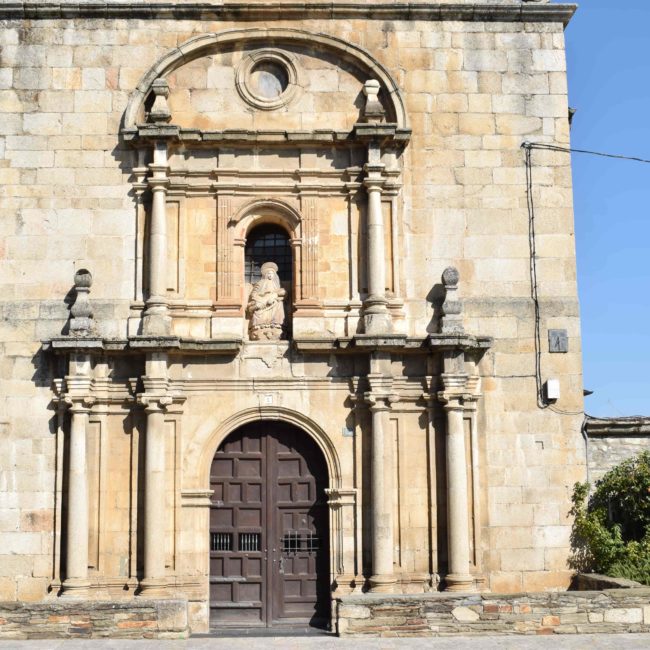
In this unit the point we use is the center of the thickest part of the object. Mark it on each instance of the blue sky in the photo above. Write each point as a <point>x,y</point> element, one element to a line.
<point>608,45</point>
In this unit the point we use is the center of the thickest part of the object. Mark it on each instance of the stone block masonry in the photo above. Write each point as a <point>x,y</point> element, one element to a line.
<point>128,619</point>
<point>392,153</point>
<point>572,612</point>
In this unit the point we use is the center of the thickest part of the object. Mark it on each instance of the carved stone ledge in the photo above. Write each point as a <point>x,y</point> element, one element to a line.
<point>196,498</point>
<point>291,10</point>
<point>459,341</point>
<point>67,344</point>
<point>72,343</point>
<point>375,341</point>
<point>387,133</point>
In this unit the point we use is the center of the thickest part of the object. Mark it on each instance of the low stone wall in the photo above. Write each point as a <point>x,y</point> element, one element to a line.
<point>613,440</point>
<point>598,582</point>
<point>128,619</point>
<point>583,612</point>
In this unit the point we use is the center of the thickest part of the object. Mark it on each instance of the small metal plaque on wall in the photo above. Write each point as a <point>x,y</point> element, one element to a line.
<point>558,341</point>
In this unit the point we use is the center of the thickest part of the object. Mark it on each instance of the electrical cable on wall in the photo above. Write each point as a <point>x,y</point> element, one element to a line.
<point>533,277</point>
<point>528,147</point>
<point>554,147</point>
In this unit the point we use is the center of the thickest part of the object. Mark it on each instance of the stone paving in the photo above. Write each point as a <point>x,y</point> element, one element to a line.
<point>572,642</point>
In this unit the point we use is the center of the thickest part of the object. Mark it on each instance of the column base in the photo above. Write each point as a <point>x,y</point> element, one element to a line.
<point>377,323</point>
<point>153,588</point>
<point>156,325</point>
<point>460,582</point>
<point>156,320</point>
<point>376,318</point>
<point>383,584</point>
<point>345,584</point>
<point>75,588</point>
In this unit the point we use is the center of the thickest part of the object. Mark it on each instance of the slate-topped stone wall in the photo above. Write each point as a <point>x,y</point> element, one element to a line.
<point>613,440</point>
<point>572,612</point>
<point>128,619</point>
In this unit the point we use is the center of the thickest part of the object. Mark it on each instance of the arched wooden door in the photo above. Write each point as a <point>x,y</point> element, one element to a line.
<point>269,538</point>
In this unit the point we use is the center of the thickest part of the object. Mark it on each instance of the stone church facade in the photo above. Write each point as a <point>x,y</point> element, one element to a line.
<point>268,335</point>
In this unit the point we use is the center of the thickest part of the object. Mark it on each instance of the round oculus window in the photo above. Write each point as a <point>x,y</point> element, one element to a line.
<point>267,79</point>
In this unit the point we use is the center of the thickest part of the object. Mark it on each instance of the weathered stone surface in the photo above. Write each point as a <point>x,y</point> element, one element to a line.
<point>539,613</point>
<point>472,84</point>
<point>131,619</point>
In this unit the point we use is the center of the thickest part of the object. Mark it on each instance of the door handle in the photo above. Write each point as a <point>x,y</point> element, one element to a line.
<point>281,569</point>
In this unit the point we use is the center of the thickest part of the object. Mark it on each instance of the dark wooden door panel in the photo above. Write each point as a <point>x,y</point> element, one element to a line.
<point>301,528</point>
<point>269,529</point>
<point>237,577</point>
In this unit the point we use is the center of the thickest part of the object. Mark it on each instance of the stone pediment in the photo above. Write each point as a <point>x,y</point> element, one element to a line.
<point>261,80</point>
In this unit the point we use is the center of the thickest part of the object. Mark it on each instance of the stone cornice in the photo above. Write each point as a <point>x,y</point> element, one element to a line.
<point>392,342</point>
<point>231,346</point>
<point>66,344</point>
<point>620,426</point>
<point>381,10</point>
<point>146,133</point>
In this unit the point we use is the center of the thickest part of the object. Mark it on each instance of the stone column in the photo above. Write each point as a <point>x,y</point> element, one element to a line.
<point>76,582</point>
<point>342,504</point>
<point>156,317</point>
<point>376,316</point>
<point>459,577</point>
<point>383,579</point>
<point>154,581</point>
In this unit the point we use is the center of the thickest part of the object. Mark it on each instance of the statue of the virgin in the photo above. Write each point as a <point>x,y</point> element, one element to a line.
<point>266,306</point>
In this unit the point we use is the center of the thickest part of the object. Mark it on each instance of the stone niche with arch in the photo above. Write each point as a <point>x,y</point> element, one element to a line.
<point>265,131</point>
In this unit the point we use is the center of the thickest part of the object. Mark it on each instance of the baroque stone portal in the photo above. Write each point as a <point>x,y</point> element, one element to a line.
<point>266,306</point>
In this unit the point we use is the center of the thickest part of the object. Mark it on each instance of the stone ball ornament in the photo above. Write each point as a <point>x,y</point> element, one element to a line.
<point>450,276</point>
<point>83,278</point>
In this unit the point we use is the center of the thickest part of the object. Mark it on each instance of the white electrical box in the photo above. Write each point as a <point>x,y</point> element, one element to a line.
<point>552,389</point>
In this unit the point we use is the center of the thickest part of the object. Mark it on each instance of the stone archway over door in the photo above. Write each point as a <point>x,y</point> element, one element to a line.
<point>269,537</point>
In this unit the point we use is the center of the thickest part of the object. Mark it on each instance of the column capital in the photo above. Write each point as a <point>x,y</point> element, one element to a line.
<point>158,183</point>
<point>79,403</point>
<point>159,168</point>
<point>451,401</point>
<point>154,403</point>
<point>374,181</point>
<point>380,401</point>
<point>338,497</point>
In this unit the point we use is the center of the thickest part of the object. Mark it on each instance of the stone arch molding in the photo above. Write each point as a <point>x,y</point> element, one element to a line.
<point>212,433</point>
<point>206,44</point>
<point>255,211</point>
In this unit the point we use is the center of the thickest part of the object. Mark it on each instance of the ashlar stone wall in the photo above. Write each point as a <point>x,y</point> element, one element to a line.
<point>473,91</point>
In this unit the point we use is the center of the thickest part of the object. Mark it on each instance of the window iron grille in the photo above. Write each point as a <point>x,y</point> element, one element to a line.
<point>268,243</point>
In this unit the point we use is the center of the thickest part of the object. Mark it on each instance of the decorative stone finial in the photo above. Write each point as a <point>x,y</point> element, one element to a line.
<point>452,309</point>
<point>160,112</point>
<point>373,110</point>
<point>81,322</point>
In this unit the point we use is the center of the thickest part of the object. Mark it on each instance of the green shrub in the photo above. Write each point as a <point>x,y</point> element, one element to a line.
<point>611,529</point>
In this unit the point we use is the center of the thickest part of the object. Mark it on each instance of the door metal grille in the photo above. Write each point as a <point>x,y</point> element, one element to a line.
<point>221,542</point>
<point>249,542</point>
